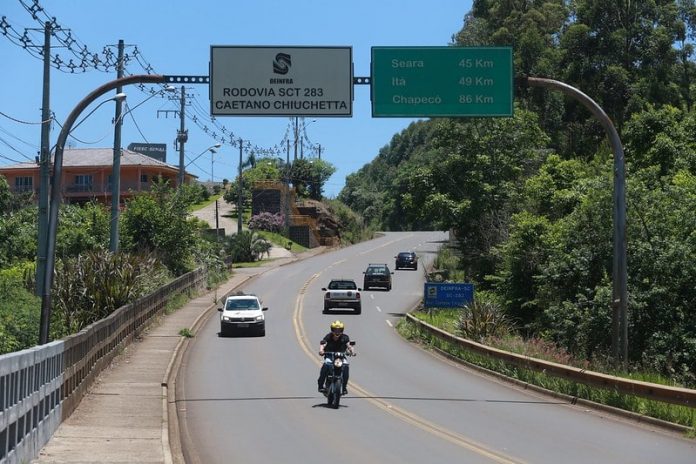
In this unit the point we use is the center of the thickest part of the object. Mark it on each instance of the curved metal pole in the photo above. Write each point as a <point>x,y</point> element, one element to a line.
<point>620,274</point>
<point>56,188</point>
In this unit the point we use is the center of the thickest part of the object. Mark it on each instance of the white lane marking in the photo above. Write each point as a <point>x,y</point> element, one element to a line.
<point>372,296</point>
<point>379,309</point>
<point>389,323</point>
<point>385,244</point>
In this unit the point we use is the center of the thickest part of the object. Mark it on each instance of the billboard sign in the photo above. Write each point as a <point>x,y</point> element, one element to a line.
<point>281,81</point>
<point>447,295</point>
<point>442,81</point>
<point>157,151</point>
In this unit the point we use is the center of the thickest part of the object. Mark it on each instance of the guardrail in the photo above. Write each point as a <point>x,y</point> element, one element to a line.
<point>653,391</point>
<point>41,386</point>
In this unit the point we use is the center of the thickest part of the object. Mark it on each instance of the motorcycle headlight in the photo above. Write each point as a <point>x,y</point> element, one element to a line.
<point>338,362</point>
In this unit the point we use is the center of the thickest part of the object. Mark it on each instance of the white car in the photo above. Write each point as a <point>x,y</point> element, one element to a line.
<point>242,313</point>
<point>342,293</point>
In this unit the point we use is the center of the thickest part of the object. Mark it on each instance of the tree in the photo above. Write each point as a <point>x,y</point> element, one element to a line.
<point>308,176</point>
<point>264,169</point>
<point>157,222</point>
<point>19,317</point>
<point>82,229</point>
<point>18,236</point>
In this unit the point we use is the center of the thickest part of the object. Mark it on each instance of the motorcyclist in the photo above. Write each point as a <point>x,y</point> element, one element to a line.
<point>335,341</point>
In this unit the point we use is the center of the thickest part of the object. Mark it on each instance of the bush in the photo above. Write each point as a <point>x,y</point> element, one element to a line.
<point>19,310</point>
<point>92,285</point>
<point>482,319</point>
<point>267,221</point>
<point>246,246</point>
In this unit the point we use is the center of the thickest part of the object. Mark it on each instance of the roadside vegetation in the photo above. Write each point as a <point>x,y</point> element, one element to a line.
<point>159,241</point>
<point>484,323</point>
<point>529,199</point>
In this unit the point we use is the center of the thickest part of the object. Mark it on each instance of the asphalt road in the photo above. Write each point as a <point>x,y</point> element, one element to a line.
<point>254,399</point>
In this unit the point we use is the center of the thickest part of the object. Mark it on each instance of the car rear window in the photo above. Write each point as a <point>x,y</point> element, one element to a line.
<point>342,285</point>
<point>404,255</point>
<point>377,270</point>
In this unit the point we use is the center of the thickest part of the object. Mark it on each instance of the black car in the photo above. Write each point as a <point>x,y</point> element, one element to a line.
<point>377,275</point>
<point>406,259</point>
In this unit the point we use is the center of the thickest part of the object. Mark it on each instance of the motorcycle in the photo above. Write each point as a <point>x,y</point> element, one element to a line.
<point>334,379</point>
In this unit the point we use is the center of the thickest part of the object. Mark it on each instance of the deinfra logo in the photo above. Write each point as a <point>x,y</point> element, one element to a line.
<point>282,63</point>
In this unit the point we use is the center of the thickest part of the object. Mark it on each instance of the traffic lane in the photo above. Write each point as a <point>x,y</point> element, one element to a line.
<point>505,418</point>
<point>261,387</point>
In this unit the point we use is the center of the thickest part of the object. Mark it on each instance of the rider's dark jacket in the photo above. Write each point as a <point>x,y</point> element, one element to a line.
<point>341,344</point>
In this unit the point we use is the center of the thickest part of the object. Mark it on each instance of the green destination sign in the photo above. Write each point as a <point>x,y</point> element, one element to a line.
<point>441,81</point>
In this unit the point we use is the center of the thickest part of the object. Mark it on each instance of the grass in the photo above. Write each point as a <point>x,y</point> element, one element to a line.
<point>281,240</point>
<point>186,332</point>
<point>203,204</point>
<point>446,319</point>
<point>176,302</point>
<point>251,264</point>
<point>246,215</point>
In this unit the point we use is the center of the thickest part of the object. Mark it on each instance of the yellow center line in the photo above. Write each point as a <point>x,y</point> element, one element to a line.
<point>400,413</point>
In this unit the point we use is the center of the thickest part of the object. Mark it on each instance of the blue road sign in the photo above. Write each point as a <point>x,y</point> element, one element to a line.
<point>447,295</point>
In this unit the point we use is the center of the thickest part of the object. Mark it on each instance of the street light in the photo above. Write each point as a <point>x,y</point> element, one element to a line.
<point>167,88</point>
<point>119,97</point>
<point>212,149</point>
<point>57,179</point>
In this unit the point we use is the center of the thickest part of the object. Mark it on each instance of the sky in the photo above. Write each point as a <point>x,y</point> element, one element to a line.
<point>174,37</point>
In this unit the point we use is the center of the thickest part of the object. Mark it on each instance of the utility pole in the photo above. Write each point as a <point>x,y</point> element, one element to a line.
<point>319,150</point>
<point>287,190</point>
<point>212,183</point>
<point>182,137</point>
<point>239,191</point>
<point>116,169</point>
<point>44,161</point>
<point>296,135</point>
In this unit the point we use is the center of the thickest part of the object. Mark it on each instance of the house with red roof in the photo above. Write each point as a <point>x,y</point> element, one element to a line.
<point>87,175</point>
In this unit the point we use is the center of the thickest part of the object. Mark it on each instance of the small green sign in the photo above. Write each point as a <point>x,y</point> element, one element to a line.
<point>441,81</point>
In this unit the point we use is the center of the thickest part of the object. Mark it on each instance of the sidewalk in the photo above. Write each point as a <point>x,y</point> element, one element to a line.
<point>125,416</point>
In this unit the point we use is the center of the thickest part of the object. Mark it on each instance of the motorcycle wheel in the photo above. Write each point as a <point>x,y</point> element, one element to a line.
<point>333,397</point>
<point>337,390</point>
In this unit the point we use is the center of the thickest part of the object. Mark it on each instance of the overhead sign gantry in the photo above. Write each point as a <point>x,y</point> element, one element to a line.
<point>405,82</point>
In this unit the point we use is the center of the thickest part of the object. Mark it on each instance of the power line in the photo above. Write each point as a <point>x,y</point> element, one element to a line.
<point>24,122</point>
<point>83,60</point>
<point>11,147</point>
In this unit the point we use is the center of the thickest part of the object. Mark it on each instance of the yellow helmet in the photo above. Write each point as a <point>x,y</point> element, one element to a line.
<point>337,325</point>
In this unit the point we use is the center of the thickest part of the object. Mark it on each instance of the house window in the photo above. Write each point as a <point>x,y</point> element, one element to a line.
<point>24,184</point>
<point>83,183</point>
<point>143,178</point>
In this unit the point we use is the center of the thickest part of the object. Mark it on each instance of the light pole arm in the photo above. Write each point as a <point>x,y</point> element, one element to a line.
<point>56,187</point>
<point>620,272</point>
